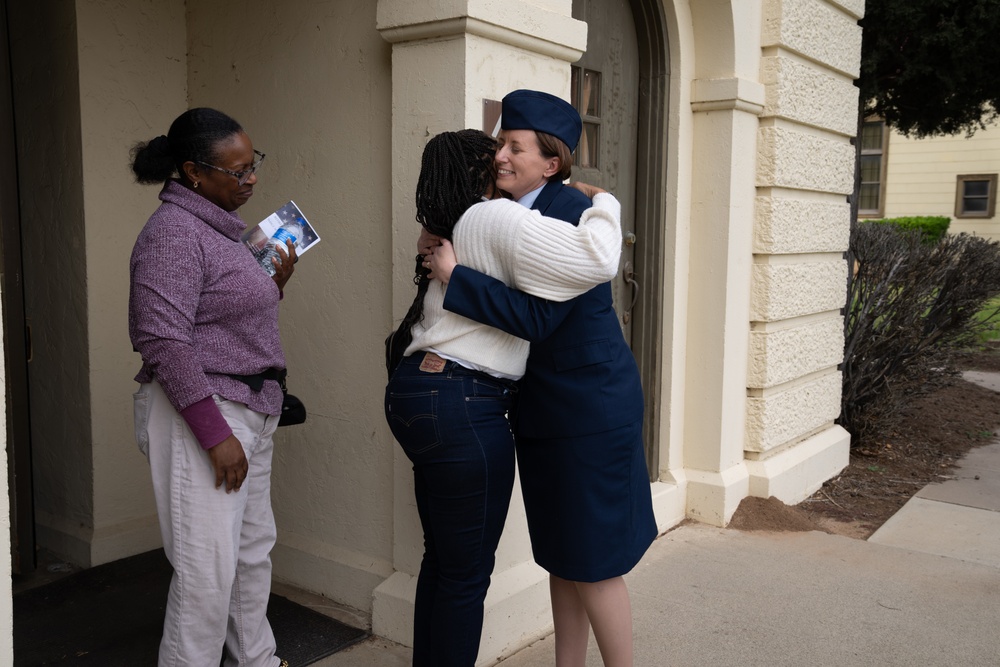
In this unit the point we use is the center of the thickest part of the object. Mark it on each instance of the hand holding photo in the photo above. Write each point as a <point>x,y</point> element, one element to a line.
<point>268,238</point>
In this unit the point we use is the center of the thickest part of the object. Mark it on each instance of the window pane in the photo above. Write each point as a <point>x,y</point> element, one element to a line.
<point>574,80</point>
<point>591,105</point>
<point>868,199</point>
<point>974,204</point>
<point>977,188</point>
<point>586,152</point>
<point>871,168</point>
<point>871,136</point>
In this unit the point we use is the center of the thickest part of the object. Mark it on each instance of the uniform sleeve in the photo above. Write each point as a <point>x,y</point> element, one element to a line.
<point>489,301</point>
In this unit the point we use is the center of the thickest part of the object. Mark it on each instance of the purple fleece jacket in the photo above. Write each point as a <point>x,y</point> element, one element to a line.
<point>200,306</point>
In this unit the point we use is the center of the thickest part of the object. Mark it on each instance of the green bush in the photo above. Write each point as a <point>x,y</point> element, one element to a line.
<point>910,307</point>
<point>932,228</point>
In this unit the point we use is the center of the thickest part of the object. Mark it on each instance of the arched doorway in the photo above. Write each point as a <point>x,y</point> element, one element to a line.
<point>620,88</point>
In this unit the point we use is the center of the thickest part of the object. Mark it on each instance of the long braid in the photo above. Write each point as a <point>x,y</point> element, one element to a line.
<point>456,171</point>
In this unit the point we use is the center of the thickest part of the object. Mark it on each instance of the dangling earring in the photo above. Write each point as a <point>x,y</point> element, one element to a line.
<point>196,184</point>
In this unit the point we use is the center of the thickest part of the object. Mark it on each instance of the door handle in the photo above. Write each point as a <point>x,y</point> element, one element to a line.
<point>628,274</point>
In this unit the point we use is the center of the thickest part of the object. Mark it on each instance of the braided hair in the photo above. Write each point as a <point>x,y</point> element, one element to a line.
<point>456,171</point>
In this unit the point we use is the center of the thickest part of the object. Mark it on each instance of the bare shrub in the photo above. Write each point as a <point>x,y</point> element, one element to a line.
<point>910,307</point>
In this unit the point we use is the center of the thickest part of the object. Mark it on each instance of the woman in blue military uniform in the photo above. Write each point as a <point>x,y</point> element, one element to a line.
<point>578,421</point>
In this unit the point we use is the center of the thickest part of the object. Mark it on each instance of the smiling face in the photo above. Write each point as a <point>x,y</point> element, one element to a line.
<point>234,153</point>
<point>521,167</point>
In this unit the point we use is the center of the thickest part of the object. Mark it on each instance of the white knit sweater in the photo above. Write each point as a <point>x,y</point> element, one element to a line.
<point>546,257</point>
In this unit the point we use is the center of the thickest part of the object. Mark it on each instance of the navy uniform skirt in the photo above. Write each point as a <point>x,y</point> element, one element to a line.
<point>587,499</point>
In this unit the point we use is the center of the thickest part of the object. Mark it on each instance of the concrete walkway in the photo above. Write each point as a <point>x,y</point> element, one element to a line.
<point>923,590</point>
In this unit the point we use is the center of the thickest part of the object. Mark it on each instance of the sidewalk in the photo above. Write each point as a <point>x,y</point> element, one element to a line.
<point>923,590</point>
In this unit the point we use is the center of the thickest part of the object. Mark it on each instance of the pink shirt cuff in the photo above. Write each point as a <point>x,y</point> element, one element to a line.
<point>206,422</point>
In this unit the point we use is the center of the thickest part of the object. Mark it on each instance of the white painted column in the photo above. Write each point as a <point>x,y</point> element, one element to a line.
<point>722,203</point>
<point>446,59</point>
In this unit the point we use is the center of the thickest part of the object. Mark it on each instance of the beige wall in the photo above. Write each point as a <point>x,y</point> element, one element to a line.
<point>312,89</point>
<point>921,176</point>
<point>311,84</point>
<point>132,85</point>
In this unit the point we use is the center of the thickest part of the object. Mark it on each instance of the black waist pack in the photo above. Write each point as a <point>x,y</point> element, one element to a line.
<point>292,409</point>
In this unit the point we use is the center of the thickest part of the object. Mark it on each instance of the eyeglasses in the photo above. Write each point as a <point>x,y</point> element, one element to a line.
<point>241,176</point>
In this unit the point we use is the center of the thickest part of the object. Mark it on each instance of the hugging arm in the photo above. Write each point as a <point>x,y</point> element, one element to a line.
<point>489,301</point>
<point>551,261</point>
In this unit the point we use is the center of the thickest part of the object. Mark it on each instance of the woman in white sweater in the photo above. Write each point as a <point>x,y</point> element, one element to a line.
<point>448,399</point>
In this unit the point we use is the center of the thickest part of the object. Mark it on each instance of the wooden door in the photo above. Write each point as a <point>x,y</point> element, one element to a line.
<point>605,90</point>
<point>621,87</point>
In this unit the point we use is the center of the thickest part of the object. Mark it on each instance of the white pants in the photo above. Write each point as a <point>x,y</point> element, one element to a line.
<point>219,544</point>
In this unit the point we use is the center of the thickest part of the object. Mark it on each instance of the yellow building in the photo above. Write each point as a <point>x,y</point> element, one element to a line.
<point>951,176</point>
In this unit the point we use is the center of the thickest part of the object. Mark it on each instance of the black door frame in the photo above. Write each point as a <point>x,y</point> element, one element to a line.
<point>651,211</point>
<point>15,332</point>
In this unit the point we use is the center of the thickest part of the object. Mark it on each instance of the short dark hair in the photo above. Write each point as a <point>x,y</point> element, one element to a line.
<point>194,136</point>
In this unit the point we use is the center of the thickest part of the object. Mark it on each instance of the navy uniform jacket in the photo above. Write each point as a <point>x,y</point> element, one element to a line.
<point>581,377</point>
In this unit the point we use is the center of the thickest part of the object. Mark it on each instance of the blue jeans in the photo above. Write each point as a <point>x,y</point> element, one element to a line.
<point>453,427</point>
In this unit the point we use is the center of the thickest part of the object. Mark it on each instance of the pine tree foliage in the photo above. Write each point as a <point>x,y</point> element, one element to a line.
<point>931,67</point>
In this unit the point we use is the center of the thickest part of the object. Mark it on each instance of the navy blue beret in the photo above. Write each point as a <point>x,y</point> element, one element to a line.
<point>542,112</point>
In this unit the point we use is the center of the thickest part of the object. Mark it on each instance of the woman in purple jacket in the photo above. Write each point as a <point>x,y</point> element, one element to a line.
<point>204,317</point>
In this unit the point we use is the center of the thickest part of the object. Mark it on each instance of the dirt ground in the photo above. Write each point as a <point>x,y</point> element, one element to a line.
<point>939,427</point>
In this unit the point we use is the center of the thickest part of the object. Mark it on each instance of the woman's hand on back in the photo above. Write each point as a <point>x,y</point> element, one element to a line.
<point>427,242</point>
<point>589,190</point>
<point>442,261</point>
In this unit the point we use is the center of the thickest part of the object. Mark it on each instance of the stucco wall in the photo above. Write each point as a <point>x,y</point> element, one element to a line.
<point>311,84</point>
<point>47,113</point>
<point>811,54</point>
<point>132,85</point>
<point>921,176</point>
